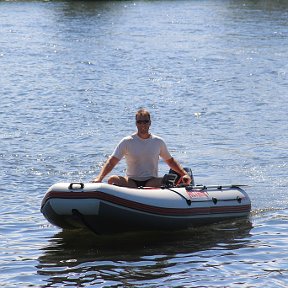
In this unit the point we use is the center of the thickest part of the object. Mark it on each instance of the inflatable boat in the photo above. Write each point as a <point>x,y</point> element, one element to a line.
<point>107,209</point>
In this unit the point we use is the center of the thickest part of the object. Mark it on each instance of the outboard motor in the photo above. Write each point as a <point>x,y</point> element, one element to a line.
<point>189,172</point>
<point>172,178</point>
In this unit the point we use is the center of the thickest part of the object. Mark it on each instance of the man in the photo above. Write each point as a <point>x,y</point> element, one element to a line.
<point>141,151</point>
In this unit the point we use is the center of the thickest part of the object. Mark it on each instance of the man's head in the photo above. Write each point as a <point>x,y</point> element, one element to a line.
<point>143,121</point>
<point>142,113</point>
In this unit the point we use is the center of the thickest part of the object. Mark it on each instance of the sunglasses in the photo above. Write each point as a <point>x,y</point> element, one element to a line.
<point>143,121</point>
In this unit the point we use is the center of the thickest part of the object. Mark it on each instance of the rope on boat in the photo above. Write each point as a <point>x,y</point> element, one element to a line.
<point>188,201</point>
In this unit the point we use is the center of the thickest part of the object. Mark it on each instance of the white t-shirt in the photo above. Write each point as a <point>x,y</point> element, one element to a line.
<point>142,155</point>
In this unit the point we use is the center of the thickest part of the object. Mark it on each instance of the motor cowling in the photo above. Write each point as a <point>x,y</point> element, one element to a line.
<point>173,178</point>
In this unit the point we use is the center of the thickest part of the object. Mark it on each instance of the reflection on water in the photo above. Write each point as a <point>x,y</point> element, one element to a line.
<point>88,256</point>
<point>93,8</point>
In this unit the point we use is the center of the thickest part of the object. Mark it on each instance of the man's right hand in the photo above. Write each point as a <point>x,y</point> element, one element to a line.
<point>96,180</point>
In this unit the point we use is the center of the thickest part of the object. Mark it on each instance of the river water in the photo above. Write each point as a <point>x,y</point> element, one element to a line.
<point>214,76</point>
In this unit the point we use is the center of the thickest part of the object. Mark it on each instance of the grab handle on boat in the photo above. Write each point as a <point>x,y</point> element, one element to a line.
<point>76,186</point>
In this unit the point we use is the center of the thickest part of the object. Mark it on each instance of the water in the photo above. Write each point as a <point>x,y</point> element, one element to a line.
<point>214,76</point>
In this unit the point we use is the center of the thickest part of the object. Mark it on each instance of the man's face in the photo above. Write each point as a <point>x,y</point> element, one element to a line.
<point>143,124</point>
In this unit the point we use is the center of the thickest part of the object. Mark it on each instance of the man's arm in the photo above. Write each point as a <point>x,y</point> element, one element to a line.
<point>106,169</point>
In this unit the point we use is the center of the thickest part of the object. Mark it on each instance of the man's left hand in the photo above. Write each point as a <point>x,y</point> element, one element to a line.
<point>186,180</point>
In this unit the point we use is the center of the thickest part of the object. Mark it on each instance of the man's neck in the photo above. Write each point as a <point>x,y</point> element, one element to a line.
<point>144,136</point>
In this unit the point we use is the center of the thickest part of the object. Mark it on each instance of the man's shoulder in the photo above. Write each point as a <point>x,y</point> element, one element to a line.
<point>157,138</point>
<point>128,138</point>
